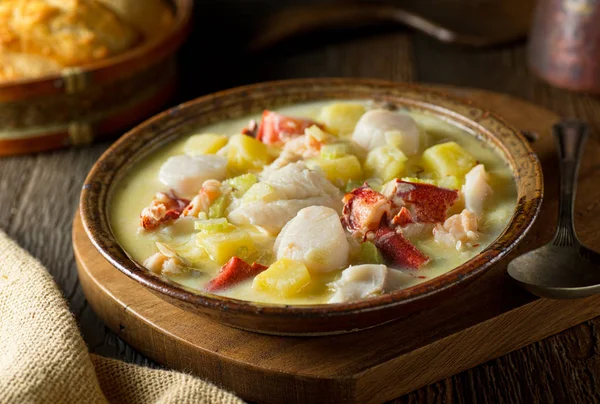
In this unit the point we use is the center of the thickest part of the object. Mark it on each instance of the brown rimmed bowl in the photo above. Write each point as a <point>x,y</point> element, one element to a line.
<point>319,319</point>
<point>81,104</point>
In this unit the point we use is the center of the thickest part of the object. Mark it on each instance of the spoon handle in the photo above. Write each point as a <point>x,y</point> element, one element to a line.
<point>570,137</point>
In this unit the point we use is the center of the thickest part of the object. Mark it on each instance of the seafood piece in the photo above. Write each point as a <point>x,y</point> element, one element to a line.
<point>300,148</point>
<point>303,146</point>
<point>316,238</point>
<point>251,130</point>
<point>163,208</point>
<point>476,190</point>
<point>286,157</point>
<point>296,181</point>
<point>426,203</point>
<point>166,261</point>
<point>272,216</point>
<point>367,280</point>
<point>363,210</point>
<point>185,174</point>
<point>398,250</point>
<point>417,230</point>
<point>211,190</point>
<point>458,230</point>
<point>290,189</point>
<point>277,128</point>
<point>233,272</point>
<point>403,218</point>
<point>380,127</point>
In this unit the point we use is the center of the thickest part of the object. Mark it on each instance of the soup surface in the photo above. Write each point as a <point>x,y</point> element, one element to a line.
<point>322,202</point>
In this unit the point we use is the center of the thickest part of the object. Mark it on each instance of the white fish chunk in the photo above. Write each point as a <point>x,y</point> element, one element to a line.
<point>295,181</point>
<point>476,190</point>
<point>379,127</point>
<point>273,216</point>
<point>368,280</point>
<point>293,188</point>
<point>316,238</point>
<point>186,174</point>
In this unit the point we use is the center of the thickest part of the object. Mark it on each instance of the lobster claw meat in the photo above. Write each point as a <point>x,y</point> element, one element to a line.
<point>234,271</point>
<point>363,210</point>
<point>277,128</point>
<point>398,250</point>
<point>403,218</point>
<point>426,203</point>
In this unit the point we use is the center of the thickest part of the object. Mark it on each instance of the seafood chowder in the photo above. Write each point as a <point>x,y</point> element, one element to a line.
<point>323,202</point>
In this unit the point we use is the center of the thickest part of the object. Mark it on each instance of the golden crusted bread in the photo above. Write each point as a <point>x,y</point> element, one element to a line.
<point>150,17</point>
<point>41,36</point>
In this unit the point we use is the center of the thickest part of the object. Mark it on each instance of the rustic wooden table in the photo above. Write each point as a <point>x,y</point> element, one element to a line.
<point>39,193</point>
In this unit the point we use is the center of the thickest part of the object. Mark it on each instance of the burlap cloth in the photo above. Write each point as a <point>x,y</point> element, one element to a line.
<point>43,358</point>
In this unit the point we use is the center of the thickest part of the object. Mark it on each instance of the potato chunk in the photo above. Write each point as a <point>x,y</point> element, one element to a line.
<point>447,159</point>
<point>338,170</point>
<point>341,117</point>
<point>206,143</point>
<point>222,246</point>
<point>284,278</point>
<point>385,162</point>
<point>246,153</point>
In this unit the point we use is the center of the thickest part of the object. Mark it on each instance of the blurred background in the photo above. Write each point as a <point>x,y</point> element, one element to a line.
<point>237,42</point>
<point>490,44</point>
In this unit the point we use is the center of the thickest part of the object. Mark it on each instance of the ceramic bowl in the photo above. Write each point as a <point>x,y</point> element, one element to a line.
<point>316,319</point>
<point>78,105</point>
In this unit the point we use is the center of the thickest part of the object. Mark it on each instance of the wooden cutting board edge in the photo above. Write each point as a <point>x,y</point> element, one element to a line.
<point>241,361</point>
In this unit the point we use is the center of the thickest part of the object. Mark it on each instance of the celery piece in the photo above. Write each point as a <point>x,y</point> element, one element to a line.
<point>242,183</point>
<point>419,180</point>
<point>369,254</point>
<point>219,207</point>
<point>352,185</point>
<point>220,225</point>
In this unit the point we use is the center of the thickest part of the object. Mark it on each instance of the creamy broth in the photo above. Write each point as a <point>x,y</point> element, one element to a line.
<point>134,192</point>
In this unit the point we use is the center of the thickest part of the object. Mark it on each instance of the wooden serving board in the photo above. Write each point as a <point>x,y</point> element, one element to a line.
<point>488,319</point>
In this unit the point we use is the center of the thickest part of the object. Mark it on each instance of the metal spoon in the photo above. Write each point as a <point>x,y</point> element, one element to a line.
<point>563,268</point>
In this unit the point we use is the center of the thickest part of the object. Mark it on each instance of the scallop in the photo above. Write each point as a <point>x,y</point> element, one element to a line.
<point>380,127</point>
<point>185,174</point>
<point>316,238</point>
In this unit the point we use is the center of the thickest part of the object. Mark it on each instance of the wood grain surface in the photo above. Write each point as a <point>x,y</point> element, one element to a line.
<point>491,317</point>
<point>39,193</point>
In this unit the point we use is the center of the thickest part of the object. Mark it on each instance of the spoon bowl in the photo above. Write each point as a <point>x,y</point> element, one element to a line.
<point>568,272</point>
<point>563,268</point>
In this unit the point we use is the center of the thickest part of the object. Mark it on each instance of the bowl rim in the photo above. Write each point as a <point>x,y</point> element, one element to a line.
<point>174,37</point>
<point>97,226</point>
